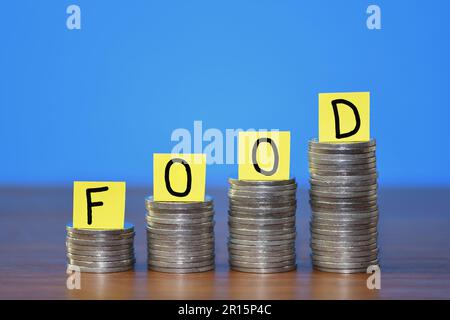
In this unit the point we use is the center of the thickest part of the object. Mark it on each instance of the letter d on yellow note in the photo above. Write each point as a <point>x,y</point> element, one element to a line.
<point>264,155</point>
<point>179,177</point>
<point>98,205</point>
<point>344,117</point>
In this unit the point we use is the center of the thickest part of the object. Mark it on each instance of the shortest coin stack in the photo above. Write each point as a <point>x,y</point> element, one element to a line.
<point>100,251</point>
<point>180,236</point>
<point>262,225</point>
<point>343,198</point>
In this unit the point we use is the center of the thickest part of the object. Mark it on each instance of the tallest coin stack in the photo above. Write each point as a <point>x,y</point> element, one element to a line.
<point>343,198</point>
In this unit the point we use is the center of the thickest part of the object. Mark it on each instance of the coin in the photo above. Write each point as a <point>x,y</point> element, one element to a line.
<point>97,248</point>
<point>100,253</point>
<point>97,264</point>
<point>98,242</point>
<point>266,183</point>
<point>99,258</point>
<point>251,221</point>
<point>182,270</point>
<point>128,227</point>
<point>178,204</point>
<point>289,236</point>
<point>264,270</point>
<point>102,270</point>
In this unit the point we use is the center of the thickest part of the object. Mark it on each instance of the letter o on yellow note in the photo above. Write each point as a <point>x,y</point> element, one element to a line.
<point>344,117</point>
<point>179,177</point>
<point>98,205</point>
<point>264,155</point>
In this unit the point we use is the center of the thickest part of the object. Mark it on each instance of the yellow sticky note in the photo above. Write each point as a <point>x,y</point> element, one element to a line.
<point>179,177</point>
<point>344,117</point>
<point>264,155</point>
<point>98,205</point>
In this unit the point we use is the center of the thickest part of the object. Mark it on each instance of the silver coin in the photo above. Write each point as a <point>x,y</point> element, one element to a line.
<point>199,226</point>
<point>99,242</point>
<point>343,271</point>
<point>343,208</point>
<point>128,227</point>
<point>343,220</point>
<point>344,237</point>
<point>268,183</point>
<point>273,248</point>
<point>264,265</point>
<point>261,194</point>
<point>341,225</point>
<point>342,151</point>
<point>262,228</point>
<point>262,252</point>
<point>186,216</point>
<point>100,253</point>
<point>163,264</point>
<point>341,157</point>
<point>155,246</point>
<point>182,270</point>
<point>247,215</point>
<point>343,248</point>
<point>342,173</point>
<point>99,247</point>
<point>257,232</point>
<point>99,259</point>
<point>181,253</point>
<point>262,198</point>
<point>344,179</point>
<point>339,148</point>
<point>333,183</point>
<point>181,258</point>
<point>337,242</point>
<point>264,270</point>
<point>324,244</point>
<point>289,236</point>
<point>181,210</point>
<point>342,216</point>
<point>342,194</point>
<point>262,188</point>
<point>342,201</point>
<point>261,221</point>
<point>263,210</point>
<point>201,221</point>
<point>328,190</point>
<point>315,159</point>
<point>260,242</point>
<point>100,237</point>
<point>178,204</point>
<point>201,236</point>
<point>345,254</point>
<point>343,167</point>
<point>180,243</point>
<point>345,260</point>
<point>340,265</point>
<point>103,270</point>
<point>109,264</point>
<point>262,258</point>
<point>179,232</point>
<point>342,145</point>
<point>263,206</point>
<point>334,232</point>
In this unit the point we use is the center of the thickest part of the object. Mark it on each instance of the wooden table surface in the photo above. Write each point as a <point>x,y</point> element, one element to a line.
<point>414,237</point>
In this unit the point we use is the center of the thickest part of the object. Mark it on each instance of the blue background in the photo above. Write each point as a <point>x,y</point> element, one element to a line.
<point>96,103</point>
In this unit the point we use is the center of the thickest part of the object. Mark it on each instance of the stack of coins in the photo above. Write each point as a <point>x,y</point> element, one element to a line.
<point>343,198</point>
<point>100,251</point>
<point>262,225</point>
<point>180,236</point>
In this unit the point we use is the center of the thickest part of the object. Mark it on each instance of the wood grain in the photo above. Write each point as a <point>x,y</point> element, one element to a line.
<point>414,239</point>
